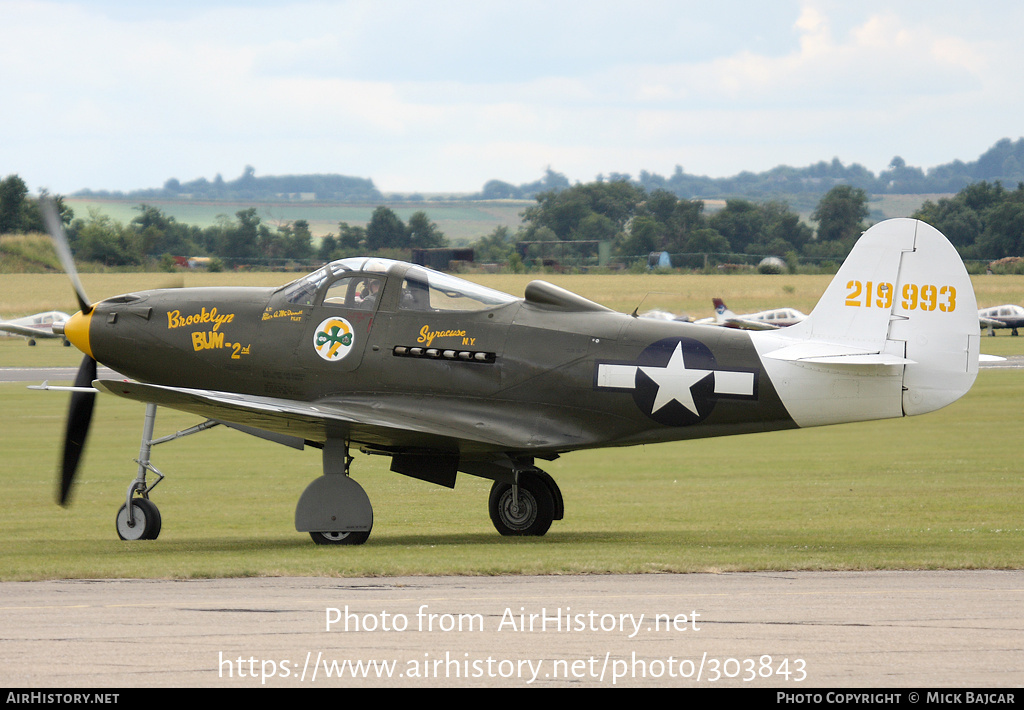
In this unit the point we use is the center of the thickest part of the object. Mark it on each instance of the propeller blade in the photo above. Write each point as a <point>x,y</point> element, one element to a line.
<point>79,417</point>
<point>60,244</point>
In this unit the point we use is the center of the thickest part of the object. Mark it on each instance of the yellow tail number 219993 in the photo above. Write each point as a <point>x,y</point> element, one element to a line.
<point>914,297</point>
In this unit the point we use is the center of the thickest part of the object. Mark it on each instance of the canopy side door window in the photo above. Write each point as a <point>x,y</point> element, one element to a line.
<point>340,324</point>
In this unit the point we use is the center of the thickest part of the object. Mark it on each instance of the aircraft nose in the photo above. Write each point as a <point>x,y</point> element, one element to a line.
<point>76,330</point>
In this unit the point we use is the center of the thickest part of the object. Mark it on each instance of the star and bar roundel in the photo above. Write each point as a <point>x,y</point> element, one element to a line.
<point>676,381</point>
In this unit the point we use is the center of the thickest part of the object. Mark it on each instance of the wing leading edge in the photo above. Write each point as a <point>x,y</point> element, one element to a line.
<point>392,424</point>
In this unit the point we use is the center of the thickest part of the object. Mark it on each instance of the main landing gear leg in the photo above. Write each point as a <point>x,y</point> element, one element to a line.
<point>139,518</point>
<point>334,509</point>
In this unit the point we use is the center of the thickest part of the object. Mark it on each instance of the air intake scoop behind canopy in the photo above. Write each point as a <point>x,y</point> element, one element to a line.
<point>547,295</point>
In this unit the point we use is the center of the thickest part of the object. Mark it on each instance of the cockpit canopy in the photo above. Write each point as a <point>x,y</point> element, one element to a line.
<point>356,281</point>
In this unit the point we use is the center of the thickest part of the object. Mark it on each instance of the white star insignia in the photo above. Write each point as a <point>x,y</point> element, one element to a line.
<point>675,381</point>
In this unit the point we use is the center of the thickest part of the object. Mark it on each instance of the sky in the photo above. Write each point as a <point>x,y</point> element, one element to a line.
<point>443,95</point>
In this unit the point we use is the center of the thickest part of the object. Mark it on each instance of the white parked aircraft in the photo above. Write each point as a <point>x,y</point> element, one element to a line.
<point>35,326</point>
<point>1008,316</point>
<point>764,320</point>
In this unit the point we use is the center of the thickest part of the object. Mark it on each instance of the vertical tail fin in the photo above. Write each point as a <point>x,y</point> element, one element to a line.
<point>901,300</point>
<point>722,312</point>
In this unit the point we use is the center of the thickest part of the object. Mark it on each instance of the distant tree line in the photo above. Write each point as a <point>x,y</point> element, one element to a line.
<point>984,221</point>
<point>637,223</point>
<point>154,235</point>
<point>244,240</point>
<point>248,188</point>
<point>1003,162</point>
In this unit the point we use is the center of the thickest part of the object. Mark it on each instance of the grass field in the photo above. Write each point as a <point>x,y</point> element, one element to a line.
<point>939,491</point>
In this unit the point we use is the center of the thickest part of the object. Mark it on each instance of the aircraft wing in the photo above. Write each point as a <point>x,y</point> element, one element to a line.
<point>384,422</point>
<point>990,322</point>
<point>748,324</point>
<point>28,331</point>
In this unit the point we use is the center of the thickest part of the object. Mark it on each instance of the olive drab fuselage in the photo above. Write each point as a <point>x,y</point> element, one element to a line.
<point>579,374</point>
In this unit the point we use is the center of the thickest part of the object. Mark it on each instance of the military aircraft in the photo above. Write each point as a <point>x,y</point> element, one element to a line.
<point>35,326</point>
<point>1008,316</point>
<point>446,377</point>
<point>764,320</point>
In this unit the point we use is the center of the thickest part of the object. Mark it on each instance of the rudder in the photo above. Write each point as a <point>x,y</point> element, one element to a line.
<point>935,318</point>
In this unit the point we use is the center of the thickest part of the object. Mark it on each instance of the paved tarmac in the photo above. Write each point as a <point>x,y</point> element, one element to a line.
<point>790,630</point>
<point>53,375</point>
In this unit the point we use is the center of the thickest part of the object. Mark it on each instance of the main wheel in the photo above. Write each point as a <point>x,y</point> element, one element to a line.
<point>528,513</point>
<point>340,538</point>
<point>146,524</point>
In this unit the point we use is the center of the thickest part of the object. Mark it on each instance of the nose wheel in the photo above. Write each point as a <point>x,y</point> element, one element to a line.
<point>139,518</point>
<point>141,522</point>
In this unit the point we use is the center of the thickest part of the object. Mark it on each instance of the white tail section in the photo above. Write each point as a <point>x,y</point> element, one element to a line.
<point>895,333</point>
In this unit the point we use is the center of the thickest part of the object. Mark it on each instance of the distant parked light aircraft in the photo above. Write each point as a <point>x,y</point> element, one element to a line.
<point>35,326</point>
<point>1008,316</point>
<point>764,320</point>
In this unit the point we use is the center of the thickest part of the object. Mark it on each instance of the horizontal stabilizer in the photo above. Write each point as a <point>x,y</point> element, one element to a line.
<point>832,354</point>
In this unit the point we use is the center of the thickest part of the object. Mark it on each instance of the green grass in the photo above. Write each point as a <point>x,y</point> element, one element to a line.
<point>933,492</point>
<point>27,253</point>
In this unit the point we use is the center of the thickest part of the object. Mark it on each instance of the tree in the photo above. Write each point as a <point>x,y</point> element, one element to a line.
<point>241,239</point>
<point>782,230</point>
<point>161,233</point>
<point>328,246</point>
<point>499,190</point>
<point>13,191</point>
<point>385,230</point>
<point>1004,228</point>
<point>351,238</point>
<point>955,219</point>
<point>298,240</point>
<point>102,239</point>
<point>424,234</point>
<point>646,234</point>
<point>559,212</point>
<point>495,248</point>
<point>740,223</point>
<point>570,212</point>
<point>707,241</point>
<point>841,213</point>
